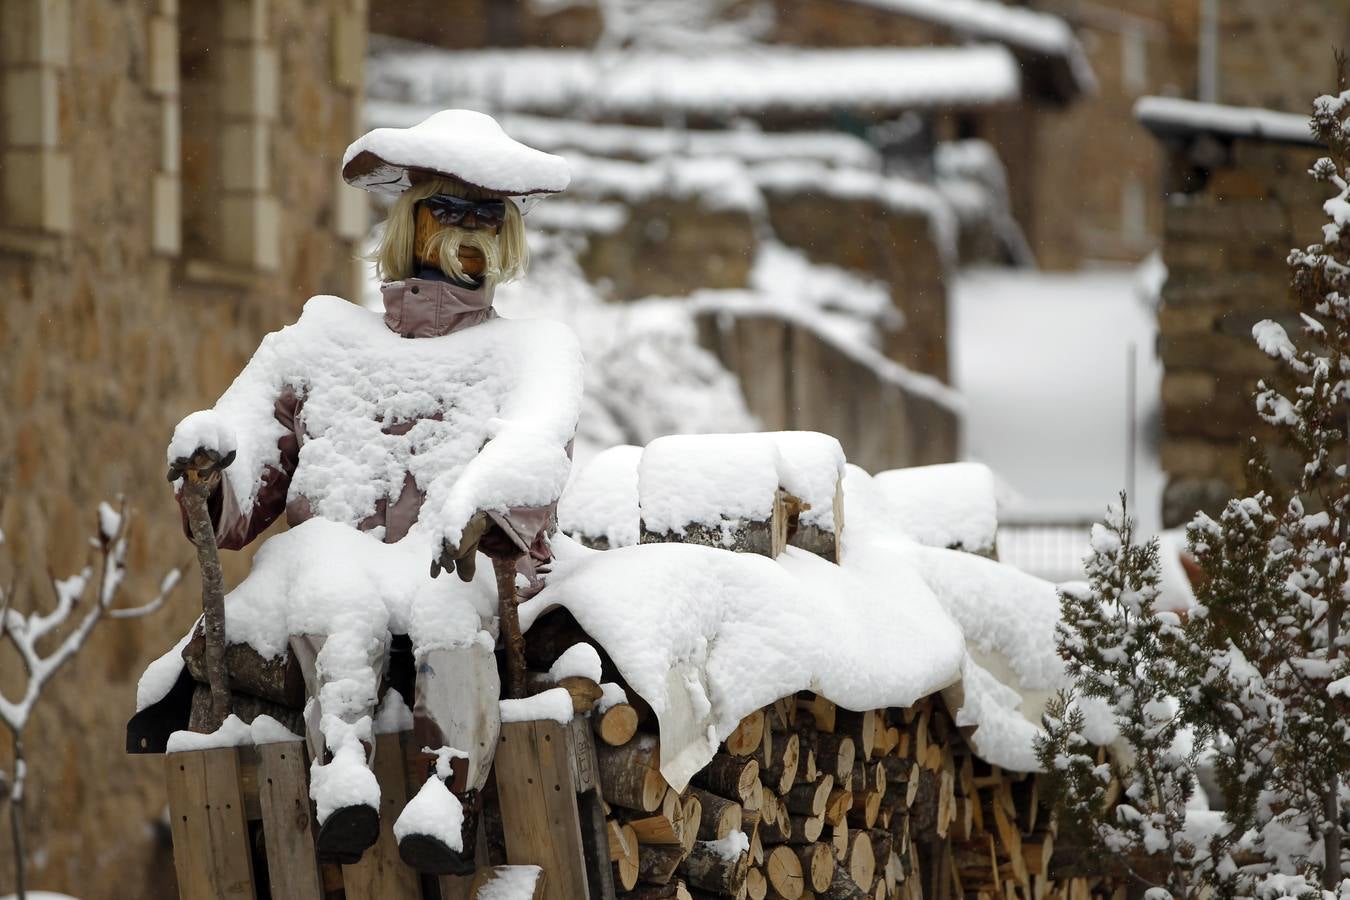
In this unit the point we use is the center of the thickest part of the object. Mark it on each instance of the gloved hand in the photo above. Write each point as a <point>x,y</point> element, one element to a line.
<point>204,466</point>
<point>461,558</point>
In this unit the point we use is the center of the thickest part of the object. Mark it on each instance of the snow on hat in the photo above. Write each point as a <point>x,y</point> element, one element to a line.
<point>461,144</point>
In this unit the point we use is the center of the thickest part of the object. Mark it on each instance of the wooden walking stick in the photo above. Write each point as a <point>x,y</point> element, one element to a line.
<point>512,639</point>
<point>198,484</point>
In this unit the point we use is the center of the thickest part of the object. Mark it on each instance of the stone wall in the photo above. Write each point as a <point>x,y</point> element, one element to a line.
<point>1228,230</point>
<point>110,333</point>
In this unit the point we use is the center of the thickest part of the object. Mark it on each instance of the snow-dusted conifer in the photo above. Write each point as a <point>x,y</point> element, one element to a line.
<point>1117,652</point>
<point>1267,643</point>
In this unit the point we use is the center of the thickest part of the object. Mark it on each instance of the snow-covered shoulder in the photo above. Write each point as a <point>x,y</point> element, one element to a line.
<point>481,418</point>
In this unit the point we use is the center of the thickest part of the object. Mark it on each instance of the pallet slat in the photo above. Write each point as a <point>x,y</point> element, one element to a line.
<point>288,825</point>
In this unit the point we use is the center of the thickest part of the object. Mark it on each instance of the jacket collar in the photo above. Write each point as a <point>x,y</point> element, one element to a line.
<point>432,305</point>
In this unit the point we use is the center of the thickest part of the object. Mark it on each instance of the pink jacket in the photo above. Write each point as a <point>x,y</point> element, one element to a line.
<point>427,306</point>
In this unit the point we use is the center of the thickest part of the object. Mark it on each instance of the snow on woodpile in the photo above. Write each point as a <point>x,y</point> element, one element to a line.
<point>706,636</point>
<point>1173,115</point>
<point>953,505</point>
<point>601,502</point>
<point>745,80</point>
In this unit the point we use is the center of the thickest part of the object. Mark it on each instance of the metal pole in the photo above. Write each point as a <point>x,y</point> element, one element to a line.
<point>1131,425</point>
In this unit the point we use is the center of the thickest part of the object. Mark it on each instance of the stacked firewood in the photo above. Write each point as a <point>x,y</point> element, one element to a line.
<point>806,799</point>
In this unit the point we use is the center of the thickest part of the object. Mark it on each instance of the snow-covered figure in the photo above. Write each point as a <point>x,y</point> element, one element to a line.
<point>399,446</point>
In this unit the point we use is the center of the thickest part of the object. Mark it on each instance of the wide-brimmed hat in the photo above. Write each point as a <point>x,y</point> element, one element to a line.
<point>459,144</point>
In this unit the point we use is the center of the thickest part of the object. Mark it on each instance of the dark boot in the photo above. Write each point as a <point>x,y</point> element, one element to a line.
<point>432,856</point>
<point>346,834</point>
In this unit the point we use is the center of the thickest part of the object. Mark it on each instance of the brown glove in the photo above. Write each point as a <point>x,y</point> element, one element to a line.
<point>461,558</point>
<point>202,467</point>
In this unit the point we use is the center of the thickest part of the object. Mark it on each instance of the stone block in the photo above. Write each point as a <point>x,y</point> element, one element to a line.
<point>1187,389</point>
<point>166,233</point>
<point>170,136</point>
<point>246,156</point>
<point>244,20</point>
<point>31,107</point>
<point>162,56</point>
<point>251,91</point>
<point>37,190</point>
<point>250,231</point>
<point>348,48</point>
<point>352,208</point>
<point>1174,319</point>
<point>36,32</point>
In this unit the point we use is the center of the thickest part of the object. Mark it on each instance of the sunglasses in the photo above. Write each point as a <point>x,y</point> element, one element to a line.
<point>450,210</point>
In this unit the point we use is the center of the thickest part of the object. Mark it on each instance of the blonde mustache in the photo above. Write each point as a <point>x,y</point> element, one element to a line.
<point>446,244</point>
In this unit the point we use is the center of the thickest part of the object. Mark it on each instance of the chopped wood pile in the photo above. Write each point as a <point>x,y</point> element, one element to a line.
<point>808,800</point>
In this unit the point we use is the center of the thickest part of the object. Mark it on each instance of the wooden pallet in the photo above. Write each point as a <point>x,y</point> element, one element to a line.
<point>243,824</point>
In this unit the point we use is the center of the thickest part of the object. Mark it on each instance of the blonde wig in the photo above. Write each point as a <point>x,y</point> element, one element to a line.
<point>506,254</point>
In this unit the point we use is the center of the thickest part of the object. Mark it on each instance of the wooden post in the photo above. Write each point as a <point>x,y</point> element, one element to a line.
<point>539,808</point>
<point>210,834</point>
<point>288,827</point>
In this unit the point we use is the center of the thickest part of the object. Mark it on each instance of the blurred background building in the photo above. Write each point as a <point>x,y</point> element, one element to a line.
<point>934,228</point>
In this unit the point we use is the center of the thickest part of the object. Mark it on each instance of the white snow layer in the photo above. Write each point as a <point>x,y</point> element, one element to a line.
<point>510,883</point>
<point>494,408</point>
<point>468,145</point>
<point>743,80</point>
<point>706,636</point>
<point>602,499</point>
<point>952,505</point>
<point>1175,113</point>
<point>434,812</point>
<point>709,479</point>
<point>233,732</point>
<point>577,661</point>
<point>554,704</point>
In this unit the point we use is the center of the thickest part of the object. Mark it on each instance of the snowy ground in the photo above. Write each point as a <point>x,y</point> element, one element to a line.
<point>1041,360</point>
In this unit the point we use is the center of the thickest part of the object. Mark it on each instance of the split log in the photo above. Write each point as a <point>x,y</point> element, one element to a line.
<point>818,865</point>
<point>860,861</point>
<point>675,890</point>
<point>756,884</point>
<point>780,772</point>
<point>691,813</point>
<point>657,863</point>
<point>708,869</point>
<point>839,842</point>
<point>838,806</point>
<point>866,808</point>
<point>777,830</point>
<point>729,776</point>
<point>748,736</point>
<point>842,887</point>
<point>836,753</point>
<point>810,799</point>
<point>630,775</point>
<point>663,827</point>
<point>616,725</point>
<point>861,726</point>
<point>583,691</point>
<point>277,678</point>
<point>718,816</point>
<point>784,872</point>
<point>806,829</point>
<point>882,844</point>
<point>821,710</point>
<point>246,706</point>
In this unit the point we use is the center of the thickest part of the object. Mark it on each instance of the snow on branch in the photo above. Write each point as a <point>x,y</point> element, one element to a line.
<point>105,574</point>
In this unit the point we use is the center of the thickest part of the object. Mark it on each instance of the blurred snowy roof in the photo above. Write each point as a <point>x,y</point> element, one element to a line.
<point>754,80</point>
<point>569,137</point>
<point>1173,116</point>
<point>1026,31</point>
